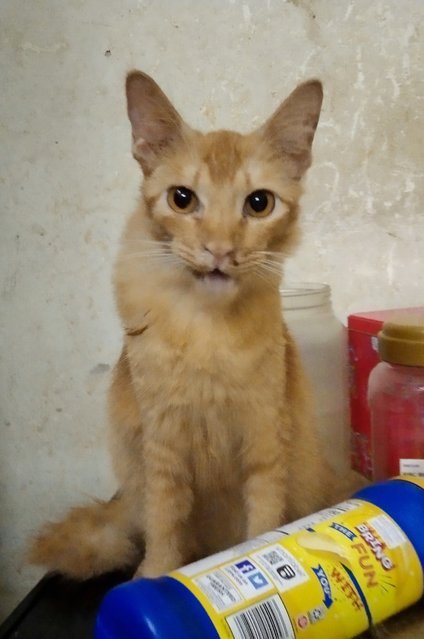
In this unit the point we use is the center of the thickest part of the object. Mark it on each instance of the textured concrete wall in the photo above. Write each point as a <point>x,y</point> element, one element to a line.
<point>68,182</point>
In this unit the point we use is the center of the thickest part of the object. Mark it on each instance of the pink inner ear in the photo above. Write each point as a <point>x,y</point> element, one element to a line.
<point>155,122</point>
<point>139,145</point>
<point>134,117</point>
<point>149,110</point>
<point>291,128</point>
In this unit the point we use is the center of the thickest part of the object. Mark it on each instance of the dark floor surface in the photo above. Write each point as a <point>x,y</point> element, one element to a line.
<point>59,609</point>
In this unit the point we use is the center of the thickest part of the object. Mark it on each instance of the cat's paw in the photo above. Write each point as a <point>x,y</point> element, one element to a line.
<point>158,566</point>
<point>150,570</point>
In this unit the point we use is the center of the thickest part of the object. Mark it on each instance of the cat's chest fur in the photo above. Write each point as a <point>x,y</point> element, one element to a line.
<point>203,361</point>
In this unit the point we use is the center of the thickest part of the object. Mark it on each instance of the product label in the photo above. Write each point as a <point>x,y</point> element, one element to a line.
<point>329,575</point>
<point>411,467</point>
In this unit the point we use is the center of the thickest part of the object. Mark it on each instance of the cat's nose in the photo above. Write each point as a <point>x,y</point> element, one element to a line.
<point>220,251</point>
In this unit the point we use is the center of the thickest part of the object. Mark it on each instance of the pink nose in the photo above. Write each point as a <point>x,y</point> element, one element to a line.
<point>219,251</point>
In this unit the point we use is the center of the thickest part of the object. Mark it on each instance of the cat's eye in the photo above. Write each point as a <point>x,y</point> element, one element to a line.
<point>259,203</point>
<point>182,200</point>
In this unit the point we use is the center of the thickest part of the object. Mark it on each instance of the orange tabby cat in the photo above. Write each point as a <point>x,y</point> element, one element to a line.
<point>211,434</point>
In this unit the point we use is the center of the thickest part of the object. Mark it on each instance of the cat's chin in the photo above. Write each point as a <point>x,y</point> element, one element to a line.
<point>216,283</point>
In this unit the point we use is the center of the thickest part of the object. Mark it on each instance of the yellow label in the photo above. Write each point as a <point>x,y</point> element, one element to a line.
<point>329,575</point>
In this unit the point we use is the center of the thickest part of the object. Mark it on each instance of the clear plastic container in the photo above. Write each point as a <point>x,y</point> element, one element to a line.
<point>322,341</point>
<point>396,399</point>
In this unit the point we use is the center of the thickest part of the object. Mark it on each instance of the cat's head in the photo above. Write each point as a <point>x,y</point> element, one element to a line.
<point>221,206</point>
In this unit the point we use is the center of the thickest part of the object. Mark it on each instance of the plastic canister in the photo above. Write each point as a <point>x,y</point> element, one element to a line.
<point>332,574</point>
<point>396,398</point>
<point>322,342</point>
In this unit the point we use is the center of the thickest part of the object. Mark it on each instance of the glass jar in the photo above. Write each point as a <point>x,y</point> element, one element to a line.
<point>322,342</point>
<point>396,399</point>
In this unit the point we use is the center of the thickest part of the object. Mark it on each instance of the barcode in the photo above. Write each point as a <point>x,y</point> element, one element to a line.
<point>265,620</point>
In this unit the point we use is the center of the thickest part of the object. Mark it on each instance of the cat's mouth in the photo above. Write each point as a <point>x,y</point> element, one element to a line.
<point>213,276</point>
<point>215,281</point>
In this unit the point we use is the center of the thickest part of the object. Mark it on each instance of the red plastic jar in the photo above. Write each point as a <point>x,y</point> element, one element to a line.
<point>396,399</point>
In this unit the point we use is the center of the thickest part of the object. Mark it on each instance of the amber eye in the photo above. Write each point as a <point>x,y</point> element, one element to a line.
<point>259,203</point>
<point>182,200</point>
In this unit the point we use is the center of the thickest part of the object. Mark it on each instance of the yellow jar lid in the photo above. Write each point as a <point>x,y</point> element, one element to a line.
<point>402,340</point>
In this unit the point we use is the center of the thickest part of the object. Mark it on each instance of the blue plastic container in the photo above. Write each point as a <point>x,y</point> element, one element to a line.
<point>164,608</point>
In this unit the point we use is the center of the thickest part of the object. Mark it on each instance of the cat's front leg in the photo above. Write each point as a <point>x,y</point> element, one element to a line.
<point>167,504</point>
<point>266,482</point>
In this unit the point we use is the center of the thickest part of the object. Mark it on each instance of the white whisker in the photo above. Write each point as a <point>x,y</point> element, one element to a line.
<point>146,255</point>
<point>262,276</point>
<point>148,242</point>
<point>270,253</point>
<point>277,265</point>
<point>270,269</point>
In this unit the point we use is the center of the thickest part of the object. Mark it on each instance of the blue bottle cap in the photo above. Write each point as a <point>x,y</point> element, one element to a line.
<point>153,609</point>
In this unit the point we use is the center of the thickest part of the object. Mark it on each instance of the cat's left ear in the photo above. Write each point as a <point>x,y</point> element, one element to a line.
<point>290,130</point>
<point>155,122</point>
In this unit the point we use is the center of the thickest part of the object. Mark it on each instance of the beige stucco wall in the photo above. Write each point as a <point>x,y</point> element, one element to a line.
<point>68,181</point>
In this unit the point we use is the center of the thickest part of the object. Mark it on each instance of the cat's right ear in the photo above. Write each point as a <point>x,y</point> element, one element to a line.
<point>155,123</point>
<point>291,129</point>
